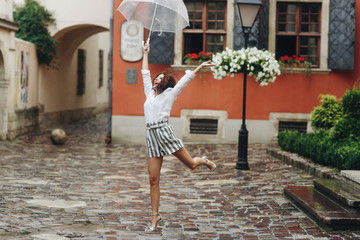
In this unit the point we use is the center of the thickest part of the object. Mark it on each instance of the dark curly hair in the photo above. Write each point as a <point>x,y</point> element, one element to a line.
<point>168,80</point>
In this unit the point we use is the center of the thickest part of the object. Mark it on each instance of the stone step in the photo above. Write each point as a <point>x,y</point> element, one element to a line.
<point>340,191</point>
<point>326,212</point>
<point>351,176</point>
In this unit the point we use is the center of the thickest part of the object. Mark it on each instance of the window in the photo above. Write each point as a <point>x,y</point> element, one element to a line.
<point>298,30</point>
<point>81,72</point>
<point>101,68</point>
<point>203,126</point>
<point>207,30</point>
<point>301,127</point>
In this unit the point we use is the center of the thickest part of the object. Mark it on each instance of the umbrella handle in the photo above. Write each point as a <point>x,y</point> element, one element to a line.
<point>147,42</point>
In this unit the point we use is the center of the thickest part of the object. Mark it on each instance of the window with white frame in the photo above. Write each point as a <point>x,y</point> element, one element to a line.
<point>323,36</point>
<point>207,30</point>
<point>298,30</point>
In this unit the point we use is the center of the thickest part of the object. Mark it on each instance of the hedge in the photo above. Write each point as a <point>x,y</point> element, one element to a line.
<point>323,148</point>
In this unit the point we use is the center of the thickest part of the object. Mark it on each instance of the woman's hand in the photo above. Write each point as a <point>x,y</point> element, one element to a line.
<point>146,49</point>
<point>207,64</point>
<point>203,65</point>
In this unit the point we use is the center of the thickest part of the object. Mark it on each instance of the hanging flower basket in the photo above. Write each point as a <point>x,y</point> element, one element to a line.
<point>258,63</point>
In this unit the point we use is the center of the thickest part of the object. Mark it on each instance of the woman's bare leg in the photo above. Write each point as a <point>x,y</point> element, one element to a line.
<point>154,167</point>
<point>184,156</point>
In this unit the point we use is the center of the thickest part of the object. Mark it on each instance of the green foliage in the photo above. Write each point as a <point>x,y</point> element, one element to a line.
<point>34,21</point>
<point>325,147</point>
<point>286,139</point>
<point>347,127</point>
<point>304,144</point>
<point>322,148</point>
<point>327,114</point>
<point>346,155</point>
<point>351,102</point>
<point>337,143</point>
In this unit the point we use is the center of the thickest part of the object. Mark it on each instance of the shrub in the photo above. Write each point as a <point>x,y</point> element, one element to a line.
<point>304,144</point>
<point>353,159</point>
<point>347,154</point>
<point>337,143</point>
<point>350,102</point>
<point>347,127</point>
<point>327,114</point>
<point>34,20</point>
<point>287,139</point>
<point>322,148</point>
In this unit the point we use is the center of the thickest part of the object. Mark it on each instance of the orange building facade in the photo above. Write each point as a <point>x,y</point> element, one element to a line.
<point>290,99</point>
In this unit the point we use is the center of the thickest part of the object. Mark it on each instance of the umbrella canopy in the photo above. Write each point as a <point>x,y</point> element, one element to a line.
<point>157,15</point>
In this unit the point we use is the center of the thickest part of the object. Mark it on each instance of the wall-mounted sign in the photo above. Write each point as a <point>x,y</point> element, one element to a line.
<point>132,35</point>
<point>131,75</point>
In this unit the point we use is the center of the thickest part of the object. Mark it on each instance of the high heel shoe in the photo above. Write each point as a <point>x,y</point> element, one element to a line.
<point>158,223</point>
<point>213,167</point>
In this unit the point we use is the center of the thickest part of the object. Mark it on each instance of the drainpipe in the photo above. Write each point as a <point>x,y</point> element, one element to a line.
<point>108,137</point>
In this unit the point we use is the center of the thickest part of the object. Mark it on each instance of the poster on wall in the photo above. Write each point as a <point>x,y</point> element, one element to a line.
<point>24,77</point>
<point>132,35</point>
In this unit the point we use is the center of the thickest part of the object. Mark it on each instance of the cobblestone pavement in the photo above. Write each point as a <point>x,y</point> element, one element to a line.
<point>88,190</point>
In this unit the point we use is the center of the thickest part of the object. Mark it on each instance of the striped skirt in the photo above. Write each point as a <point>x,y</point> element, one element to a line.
<point>161,140</point>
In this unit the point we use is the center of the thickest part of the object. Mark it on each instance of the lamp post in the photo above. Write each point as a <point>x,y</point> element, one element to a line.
<point>247,12</point>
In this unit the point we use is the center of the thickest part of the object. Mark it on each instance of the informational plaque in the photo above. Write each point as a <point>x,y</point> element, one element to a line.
<point>132,35</point>
<point>131,75</point>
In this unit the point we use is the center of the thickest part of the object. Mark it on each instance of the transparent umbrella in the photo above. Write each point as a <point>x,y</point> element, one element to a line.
<point>156,15</point>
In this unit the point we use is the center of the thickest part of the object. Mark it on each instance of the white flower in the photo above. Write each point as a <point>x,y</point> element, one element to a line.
<point>258,63</point>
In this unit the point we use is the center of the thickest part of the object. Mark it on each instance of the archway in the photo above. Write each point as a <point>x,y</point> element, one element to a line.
<point>58,87</point>
<point>68,39</point>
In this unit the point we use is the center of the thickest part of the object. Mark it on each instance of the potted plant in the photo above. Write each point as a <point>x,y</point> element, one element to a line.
<point>295,62</point>
<point>197,58</point>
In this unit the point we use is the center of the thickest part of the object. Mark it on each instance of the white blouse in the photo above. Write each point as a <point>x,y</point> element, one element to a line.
<point>157,108</point>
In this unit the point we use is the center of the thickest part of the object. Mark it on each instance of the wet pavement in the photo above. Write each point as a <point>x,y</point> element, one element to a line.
<point>86,189</point>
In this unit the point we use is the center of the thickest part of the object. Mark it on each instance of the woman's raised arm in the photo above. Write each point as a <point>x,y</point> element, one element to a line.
<point>145,71</point>
<point>188,76</point>
<point>145,62</point>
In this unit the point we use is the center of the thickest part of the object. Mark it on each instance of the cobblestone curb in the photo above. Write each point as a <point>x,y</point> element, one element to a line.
<point>305,164</point>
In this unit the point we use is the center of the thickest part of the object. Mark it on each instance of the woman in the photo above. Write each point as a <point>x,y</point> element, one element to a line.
<point>161,93</point>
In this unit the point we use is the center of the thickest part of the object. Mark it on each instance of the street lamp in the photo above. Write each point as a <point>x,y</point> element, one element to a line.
<point>247,12</point>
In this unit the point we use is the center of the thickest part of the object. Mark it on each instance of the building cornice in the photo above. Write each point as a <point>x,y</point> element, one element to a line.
<point>8,25</point>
